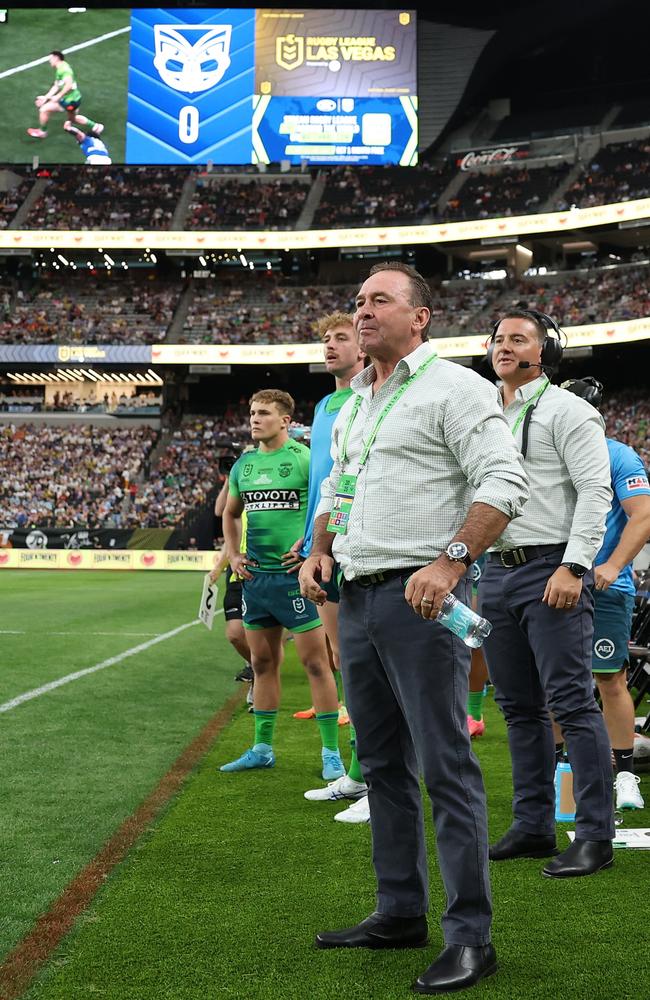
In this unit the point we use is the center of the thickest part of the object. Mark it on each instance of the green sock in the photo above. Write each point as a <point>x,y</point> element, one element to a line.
<point>354,771</point>
<point>475,705</point>
<point>339,685</point>
<point>264,726</point>
<point>328,723</point>
<point>90,123</point>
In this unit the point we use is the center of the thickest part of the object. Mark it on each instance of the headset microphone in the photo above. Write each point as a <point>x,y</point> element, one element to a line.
<point>529,364</point>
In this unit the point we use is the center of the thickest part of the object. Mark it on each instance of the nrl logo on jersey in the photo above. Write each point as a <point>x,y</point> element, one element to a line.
<point>188,63</point>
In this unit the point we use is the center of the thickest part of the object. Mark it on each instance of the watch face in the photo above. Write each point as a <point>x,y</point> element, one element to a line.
<point>457,550</point>
<point>576,569</point>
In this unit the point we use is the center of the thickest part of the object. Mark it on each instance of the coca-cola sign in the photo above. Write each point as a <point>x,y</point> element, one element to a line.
<point>498,155</point>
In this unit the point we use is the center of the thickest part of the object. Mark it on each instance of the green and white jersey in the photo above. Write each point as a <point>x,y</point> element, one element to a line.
<point>63,72</point>
<point>272,485</point>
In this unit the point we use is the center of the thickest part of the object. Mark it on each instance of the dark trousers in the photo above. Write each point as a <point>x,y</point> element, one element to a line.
<point>540,659</point>
<point>406,684</point>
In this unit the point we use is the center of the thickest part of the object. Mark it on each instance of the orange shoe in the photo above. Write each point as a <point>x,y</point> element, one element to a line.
<point>344,718</point>
<point>309,713</point>
<point>475,728</point>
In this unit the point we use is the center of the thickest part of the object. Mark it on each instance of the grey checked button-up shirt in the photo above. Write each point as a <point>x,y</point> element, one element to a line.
<point>444,445</point>
<point>568,467</point>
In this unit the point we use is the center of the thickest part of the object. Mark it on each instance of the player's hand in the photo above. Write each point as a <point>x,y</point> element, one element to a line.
<point>315,571</point>
<point>40,100</point>
<point>214,575</point>
<point>239,565</point>
<point>292,560</point>
<point>427,588</point>
<point>562,590</point>
<point>605,575</point>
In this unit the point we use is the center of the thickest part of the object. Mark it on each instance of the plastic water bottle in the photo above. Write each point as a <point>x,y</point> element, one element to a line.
<point>565,805</point>
<point>463,622</point>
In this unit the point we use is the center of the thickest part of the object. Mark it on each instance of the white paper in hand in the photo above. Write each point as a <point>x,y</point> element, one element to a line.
<point>208,602</point>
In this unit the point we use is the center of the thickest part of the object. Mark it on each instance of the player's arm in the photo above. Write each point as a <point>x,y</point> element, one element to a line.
<point>220,502</point>
<point>633,537</point>
<point>219,565</point>
<point>231,521</point>
<point>65,86</point>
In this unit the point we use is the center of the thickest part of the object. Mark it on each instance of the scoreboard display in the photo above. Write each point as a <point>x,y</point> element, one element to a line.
<point>221,85</point>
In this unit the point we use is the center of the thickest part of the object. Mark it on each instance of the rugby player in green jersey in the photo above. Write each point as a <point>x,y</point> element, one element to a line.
<point>63,95</point>
<point>270,484</point>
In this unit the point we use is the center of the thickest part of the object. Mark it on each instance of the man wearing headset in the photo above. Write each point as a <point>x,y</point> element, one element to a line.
<point>535,591</point>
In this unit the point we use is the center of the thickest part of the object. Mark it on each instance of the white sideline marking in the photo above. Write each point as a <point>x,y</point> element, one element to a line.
<point>73,48</point>
<point>110,662</point>
<point>11,631</point>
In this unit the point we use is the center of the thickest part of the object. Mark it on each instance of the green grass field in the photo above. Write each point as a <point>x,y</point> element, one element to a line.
<point>221,897</point>
<point>101,71</point>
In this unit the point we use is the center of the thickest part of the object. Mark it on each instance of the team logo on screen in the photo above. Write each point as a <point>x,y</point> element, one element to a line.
<point>289,51</point>
<point>191,64</point>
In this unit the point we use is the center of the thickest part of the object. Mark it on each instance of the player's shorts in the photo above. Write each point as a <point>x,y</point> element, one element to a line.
<point>613,612</point>
<point>232,600</point>
<point>69,105</point>
<point>272,599</point>
<point>476,571</point>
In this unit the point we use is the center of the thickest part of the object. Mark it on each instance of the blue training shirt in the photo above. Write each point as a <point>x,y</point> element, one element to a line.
<point>629,479</point>
<point>321,461</point>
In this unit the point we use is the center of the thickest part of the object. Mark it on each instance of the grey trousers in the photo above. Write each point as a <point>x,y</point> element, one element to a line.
<point>540,658</point>
<point>406,684</point>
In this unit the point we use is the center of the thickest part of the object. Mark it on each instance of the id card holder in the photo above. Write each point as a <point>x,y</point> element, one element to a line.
<point>340,513</point>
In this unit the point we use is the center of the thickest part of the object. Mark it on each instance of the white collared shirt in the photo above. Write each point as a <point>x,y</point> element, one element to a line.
<point>568,467</point>
<point>444,445</point>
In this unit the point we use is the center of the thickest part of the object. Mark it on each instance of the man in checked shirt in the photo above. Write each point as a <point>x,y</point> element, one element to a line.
<point>536,592</point>
<point>426,476</point>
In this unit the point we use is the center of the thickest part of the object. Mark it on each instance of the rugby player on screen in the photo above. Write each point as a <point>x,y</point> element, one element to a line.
<point>63,95</point>
<point>93,149</point>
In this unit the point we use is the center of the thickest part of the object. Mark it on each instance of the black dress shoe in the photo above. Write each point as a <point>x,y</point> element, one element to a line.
<point>457,967</point>
<point>583,857</point>
<point>378,931</point>
<point>515,844</point>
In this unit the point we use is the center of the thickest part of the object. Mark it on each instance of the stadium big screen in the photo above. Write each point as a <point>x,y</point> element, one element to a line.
<point>235,86</point>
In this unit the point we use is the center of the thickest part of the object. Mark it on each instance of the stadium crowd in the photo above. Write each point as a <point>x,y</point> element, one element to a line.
<point>90,309</point>
<point>77,475</point>
<point>376,196</point>
<point>112,198</point>
<point>236,204</point>
<point>505,191</point>
<point>620,172</point>
<point>249,307</point>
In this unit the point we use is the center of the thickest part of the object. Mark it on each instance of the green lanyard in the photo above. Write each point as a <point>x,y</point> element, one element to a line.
<point>529,405</point>
<point>382,416</point>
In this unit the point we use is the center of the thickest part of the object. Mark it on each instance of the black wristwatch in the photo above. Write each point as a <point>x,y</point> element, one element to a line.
<point>458,552</point>
<point>576,569</point>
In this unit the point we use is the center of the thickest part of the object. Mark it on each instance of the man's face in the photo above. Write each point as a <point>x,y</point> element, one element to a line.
<point>267,421</point>
<point>385,320</point>
<point>515,340</point>
<point>54,61</point>
<point>341,349</point>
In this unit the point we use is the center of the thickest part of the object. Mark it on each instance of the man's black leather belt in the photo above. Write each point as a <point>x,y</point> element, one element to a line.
<point>382,576</point>
<point>511,558</point>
